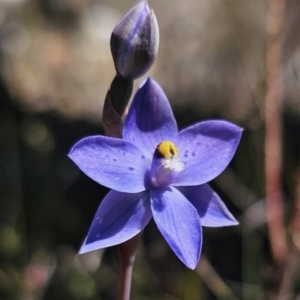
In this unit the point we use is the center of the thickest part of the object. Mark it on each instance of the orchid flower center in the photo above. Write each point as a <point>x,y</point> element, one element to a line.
<point>166,165</point>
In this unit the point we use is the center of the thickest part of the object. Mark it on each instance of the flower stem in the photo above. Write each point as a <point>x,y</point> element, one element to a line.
<point>121,90</point>
<point>115,105</point>
<point>127,253</point>
<point>273,140</point>
<point>114,110</point>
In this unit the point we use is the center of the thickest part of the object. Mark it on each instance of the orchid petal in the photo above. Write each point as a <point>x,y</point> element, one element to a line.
<point>179,223</point>
<point>211,209</point>
<point>114,163</point>
<point>150,119</point>
<point>120,217</point>
<point>206,149</point>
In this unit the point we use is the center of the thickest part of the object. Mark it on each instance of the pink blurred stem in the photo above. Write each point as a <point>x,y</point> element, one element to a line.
<point>127,253</point>
<point>288,278</point>
<point>273,140</point>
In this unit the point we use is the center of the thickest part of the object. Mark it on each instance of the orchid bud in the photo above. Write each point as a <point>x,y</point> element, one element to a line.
<point>134,41</point>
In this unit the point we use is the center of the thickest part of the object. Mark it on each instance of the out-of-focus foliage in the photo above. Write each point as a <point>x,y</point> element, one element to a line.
<point>56,67</point>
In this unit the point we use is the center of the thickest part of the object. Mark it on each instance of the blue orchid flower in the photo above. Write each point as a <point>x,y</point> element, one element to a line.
<point>156,171</point>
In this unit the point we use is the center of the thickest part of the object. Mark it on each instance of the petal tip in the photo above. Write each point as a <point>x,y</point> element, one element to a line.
<point>193,265</point>
<point>70,155</point>
<point>234,223</point>
<point>149,82</point>
<point>84,249</point>
<point>144,82</point>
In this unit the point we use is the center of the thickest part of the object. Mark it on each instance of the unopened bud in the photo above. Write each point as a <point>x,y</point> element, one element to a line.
<point>134,41</point>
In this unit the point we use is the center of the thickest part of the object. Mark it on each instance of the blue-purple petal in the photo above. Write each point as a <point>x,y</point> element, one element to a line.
<point>114,163</point>
<point>120,217</point>
<point>134,41</point>
<point>206,150</point>
<point>211,209</point>
<point>150,119</point>
<point>179,223</point>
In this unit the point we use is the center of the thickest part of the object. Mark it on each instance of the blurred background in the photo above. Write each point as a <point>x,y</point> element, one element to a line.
<point>55,70</point>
